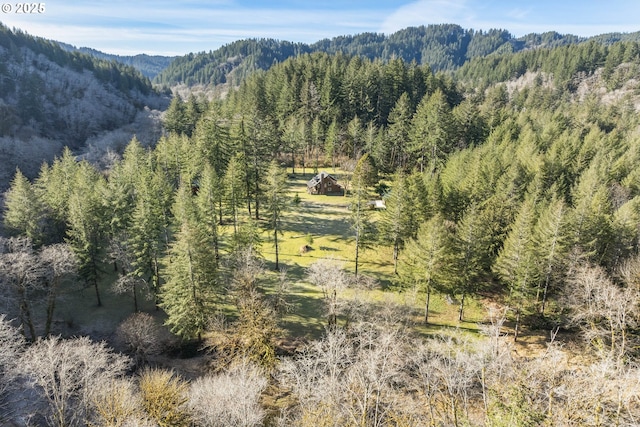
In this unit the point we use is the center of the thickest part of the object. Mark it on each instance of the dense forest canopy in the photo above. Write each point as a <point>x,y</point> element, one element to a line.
<point>149,65</point>
<point>512,182</point>
<point>474,159</point>
<point>443,47</point>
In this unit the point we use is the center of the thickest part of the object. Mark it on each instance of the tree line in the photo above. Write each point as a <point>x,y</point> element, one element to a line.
<point>444,47</point>
<point>524,195</point>
<point>515,189</point>
<point>125,78</point>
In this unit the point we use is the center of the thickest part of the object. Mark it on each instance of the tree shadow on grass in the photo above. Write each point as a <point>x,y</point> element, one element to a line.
<point>318,225</point>
<point>306,315</point>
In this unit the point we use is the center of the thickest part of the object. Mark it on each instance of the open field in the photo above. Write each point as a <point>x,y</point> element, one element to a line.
<point>326,220</point>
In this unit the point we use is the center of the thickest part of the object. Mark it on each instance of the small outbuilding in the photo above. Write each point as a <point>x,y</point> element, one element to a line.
<point>377,204</point>
<point>326,184</point>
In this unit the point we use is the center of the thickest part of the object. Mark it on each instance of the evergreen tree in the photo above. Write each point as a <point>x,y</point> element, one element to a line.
<point>431,138</point>
<point>360,222</point>
<point>125,177</point>
<point>188,295</point>
<point>175,118</point>
<point>397,223</point>
<point>469,126</point>
<point>550,237</point>
<point>470,246</point>
<point>591,216</point>
<point>276,202</point>
<point>292,135</point>
<point>192,111</point>
<point>213,140</point>
<point>24,212</point>
<point>308,112</point>
<point>54,186</point>
<point>395,151</point>
<point>260,143</point>
<point>148,230</point>
<point>424,195</point>
<point>86,220</point>
<point>234,182</point>
<point>210,195</point>
<point>516,261</point>
<point>355,139</point>
<point>317,135</point>
<point>427,259</point>
<point>333,142</point>
<point>168,157</point>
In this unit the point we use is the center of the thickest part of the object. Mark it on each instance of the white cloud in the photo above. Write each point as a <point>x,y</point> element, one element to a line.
<point>584,18</point>
<point>424,12</point>
<point>168,29</point>
<point>175,28</point>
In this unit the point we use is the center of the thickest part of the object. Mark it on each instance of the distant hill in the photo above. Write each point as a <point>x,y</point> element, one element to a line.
<point>50,97</point>
<point>149,65</point>
<point>228,64</point>
<point>443,47</point>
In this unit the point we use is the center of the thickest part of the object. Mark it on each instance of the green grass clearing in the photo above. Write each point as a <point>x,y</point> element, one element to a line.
<point>325,219</point>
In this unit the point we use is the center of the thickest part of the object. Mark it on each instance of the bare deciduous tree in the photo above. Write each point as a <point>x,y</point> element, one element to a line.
<point>165,397</point>
<point>68,373</point>
<point>349,379</point>
<point>11,346</point>
<point>316,379</point>
<point>330,277</point>
<point>59,262</point>
<point>603,310</point>
<point>142,336</point>
<point>27,273</point>
<point>21,275</point>
<point>231,398</point>
<point>117,404</point>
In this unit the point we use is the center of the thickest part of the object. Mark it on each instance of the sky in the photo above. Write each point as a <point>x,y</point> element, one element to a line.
<point>164,27</point>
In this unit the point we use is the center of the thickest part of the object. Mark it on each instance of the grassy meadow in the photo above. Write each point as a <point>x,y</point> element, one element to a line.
<point>326,220</point>
<point>321,220</point>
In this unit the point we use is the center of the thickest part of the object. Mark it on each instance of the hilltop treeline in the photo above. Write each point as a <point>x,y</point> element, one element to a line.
<point>123,77</point>
<point>229,64</point>
<point>567,64</point>
<point>444,47</point>
<point>149,65</point>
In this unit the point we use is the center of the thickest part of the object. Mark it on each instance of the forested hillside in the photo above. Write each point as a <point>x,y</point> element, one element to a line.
<point>230,63</point>
<point>50,98</point>
<point>442,47</point>
<point>511,189</point>
<point>149,65</point>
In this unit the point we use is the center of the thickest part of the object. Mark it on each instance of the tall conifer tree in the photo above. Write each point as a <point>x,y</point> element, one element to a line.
<point>188,296</point>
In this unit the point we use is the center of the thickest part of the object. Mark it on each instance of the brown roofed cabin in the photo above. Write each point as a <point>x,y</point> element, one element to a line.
<point>323,183</point>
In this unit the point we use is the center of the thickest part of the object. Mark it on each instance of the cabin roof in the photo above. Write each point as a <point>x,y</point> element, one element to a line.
<point>318,179</point>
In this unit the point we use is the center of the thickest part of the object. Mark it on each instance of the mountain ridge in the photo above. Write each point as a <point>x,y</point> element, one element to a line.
<point>148,65</point>
<point>444,47</point>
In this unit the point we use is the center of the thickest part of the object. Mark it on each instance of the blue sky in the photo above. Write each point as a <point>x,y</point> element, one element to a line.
<point>176,28</point>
